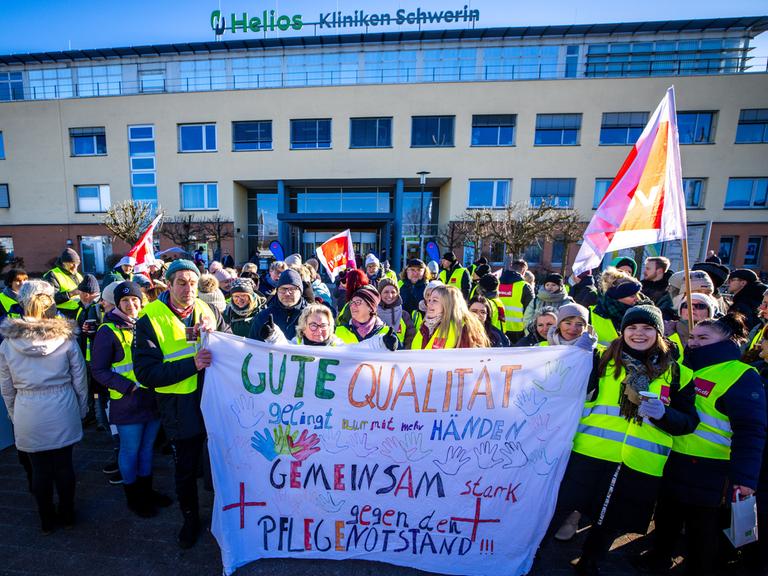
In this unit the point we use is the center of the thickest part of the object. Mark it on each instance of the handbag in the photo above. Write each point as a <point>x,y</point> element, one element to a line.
<point>743,528</point>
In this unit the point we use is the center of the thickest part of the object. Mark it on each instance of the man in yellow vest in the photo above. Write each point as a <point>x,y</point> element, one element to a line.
<point>9,297</point>
<point>64,278</point>
<point>168,358</point>
<point>454,274</point>
<point>515,293</point>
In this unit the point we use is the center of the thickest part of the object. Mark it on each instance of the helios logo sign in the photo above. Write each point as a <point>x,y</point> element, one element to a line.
<point>270,20</point>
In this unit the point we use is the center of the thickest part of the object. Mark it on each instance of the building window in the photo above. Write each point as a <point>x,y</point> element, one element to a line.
<point>88,141</point>
<point>197,137</point>
<point>152,80</point>
<point>255,135</point>
<point>11,86</point>
<point>725,250</point>
<point>50,83</point>
<point>99,80</point>
<point>199,196</point>
<point>752,253</point>
<point>692,188</point>
<point>310,134</point>
<point>746,193</point>
<point>622,128</point>
<point>557,192</point>
<point>2,146</point>
<point>488,193</point>
<point>572,61</point>
<point>558,252</point>
<point>493,129</point>
<point>695,127</point>
<point>202,75</point>
<point>432,131</point>
<point>557,129</point>
<point>6,245</point>
<point>92,198</point>
<point>141,151</point>
<point>5,198</point>
<point>601,188</point>
<point>532,254</point>
<point>752,128</point>
<point>370,132</point>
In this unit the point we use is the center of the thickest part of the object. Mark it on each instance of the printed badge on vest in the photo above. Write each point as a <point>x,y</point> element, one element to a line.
<point>703,387</point>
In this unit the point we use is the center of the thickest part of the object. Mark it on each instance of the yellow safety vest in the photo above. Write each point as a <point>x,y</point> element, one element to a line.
<point>543,343</point>
<point>436,343</point>
<point>171,335</point>
<point>125,366</point>
<point>455,279</point>
<point>758,337</point>
<point>417,318</point>
<point>677,341</point>
<point>349,337</point>
<point>511,296</point>
<point>712,437</point>
<point>604,329</point>
<point>67,284</point>
<point>605,434</point>
<point>497,313</point>
<point>6,302</point>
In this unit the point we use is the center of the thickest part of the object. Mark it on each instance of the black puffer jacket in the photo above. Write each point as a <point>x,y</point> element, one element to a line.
<point>747,300</point>
<point>284,318</point>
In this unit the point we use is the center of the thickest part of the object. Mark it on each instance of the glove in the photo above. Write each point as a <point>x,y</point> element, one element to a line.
<point>390,340</point>
<point>652,408</point>
<point>586,342</point>
<point>267,329</point>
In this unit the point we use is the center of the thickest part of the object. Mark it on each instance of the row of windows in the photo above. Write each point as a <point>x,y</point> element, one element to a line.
<point>752,253</point>
<point>617,128</point>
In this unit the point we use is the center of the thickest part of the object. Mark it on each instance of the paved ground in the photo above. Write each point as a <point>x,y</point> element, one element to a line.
<point>108,540</point>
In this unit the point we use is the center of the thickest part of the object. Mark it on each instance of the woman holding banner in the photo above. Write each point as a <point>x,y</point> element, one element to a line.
<point>638,398</point>
<point>364,322</point>
<point>448,323</point>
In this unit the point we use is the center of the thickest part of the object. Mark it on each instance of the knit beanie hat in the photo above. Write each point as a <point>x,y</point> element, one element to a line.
<point>482,270</point>
<point>571,310</point>
<point>179,265</point>
<point>450,256</point>
<point>481,260</point>
<point>223,274</point>
<point>415,263</point>
<point>32,288</point>
<point>293,260</point>
<point>554,278</point>
<point>125,289</point>
<point>214,299</point>
<point>70,255</point>
<point>89,285</point>
<point>623,289</point>
<point>625,261</point>
<point>244,285</point>
<point>705,299</point>
<point>489,283</point>
<point>700,280</point>
<point>369,295</point>
<point>717,272</point>
<point>434,267</point>
<point>386,281</point>
<point>371,259</point>
<point>215,266</point>
<point>290,278</point>
<point>108,294</point>
<point>432,284</point>
<point>644,314</point>
<point>744,274</point>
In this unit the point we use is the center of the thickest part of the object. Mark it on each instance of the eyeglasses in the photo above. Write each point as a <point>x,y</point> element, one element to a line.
<point>314,326</point>
<point>287,289</point>
<point>696,306</point>
<point>356,302</point>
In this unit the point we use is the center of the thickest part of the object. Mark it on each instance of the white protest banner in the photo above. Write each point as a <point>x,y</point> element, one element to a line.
<point>443,460</point>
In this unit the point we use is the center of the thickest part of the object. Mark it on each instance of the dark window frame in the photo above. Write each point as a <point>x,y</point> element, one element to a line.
<point>258,141</point>
<point>448,143</point>
<point>377,119</point>
<point>318,142</point>
<point>97,133</point>
<point>505,121</point>
<point>563,123</point>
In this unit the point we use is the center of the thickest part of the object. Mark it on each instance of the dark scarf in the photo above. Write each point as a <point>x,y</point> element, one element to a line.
<point>614,310</point>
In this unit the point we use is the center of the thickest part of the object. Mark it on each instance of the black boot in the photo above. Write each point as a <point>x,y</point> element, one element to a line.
<point>137,503</point>
<point>157,499</point>
<point>190,530</point>
<point>47,519</point>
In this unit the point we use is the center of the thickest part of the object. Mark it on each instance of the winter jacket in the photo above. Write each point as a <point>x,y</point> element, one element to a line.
<point>585,292</point>
<point>412,294</point>
<point>137,404</point>
<point>497,338</point>
<point>180,413</point>
<point>43,383</point>
<point>532,338</point>
<point>241,324</point>
<point>284,318</point>
<point>747,300</point>
<point>657,291</point>
<point>374,342</point>
<point>762,486</point>
<point>391,316</point>
<point>116,275</point>
<point>708,481</point>
<point>545,298</point>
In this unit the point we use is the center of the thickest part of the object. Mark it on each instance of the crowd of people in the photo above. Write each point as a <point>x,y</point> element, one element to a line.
<point>673,427</point>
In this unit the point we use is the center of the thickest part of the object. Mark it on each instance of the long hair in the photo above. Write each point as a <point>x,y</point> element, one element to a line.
<point>479,299</point>
<point>427,274</point>
<point>665,359</point>
<point>456,313</point>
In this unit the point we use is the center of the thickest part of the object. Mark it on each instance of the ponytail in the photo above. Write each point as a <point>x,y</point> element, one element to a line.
<point>732,326</point>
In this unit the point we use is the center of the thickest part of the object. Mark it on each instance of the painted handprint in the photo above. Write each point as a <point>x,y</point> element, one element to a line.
<point>486,455</point>
<point>328,504</point>
<point>394,450</point>
<point>412,445</point>
<point>514,454</point>
<point>527,402</point>
<point>542,428</point>
<point>331,442</point>
<point>305,446</point>
<point>245,410</point>
<point>264,444</point>
<point>555,373</point>
<point>359,445</point>
<point>455,458</point>
<point>541,464</point>
<point>235,451</point>
<point>281,439</point>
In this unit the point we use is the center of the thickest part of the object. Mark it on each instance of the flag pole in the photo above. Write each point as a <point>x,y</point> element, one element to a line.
<point>687,276</point>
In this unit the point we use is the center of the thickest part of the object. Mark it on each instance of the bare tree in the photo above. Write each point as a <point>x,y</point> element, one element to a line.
<point>128,220</point>
<point>447,236</point>
<point>183,230</point>
<point>474,226</point>
<point>215,229</point>
<point>569,230</point>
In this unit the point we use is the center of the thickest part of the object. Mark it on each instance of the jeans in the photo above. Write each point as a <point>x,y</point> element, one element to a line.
<point>136,443</point>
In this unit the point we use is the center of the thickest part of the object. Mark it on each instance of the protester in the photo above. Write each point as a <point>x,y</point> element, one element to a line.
<point>418,315</point>
<point>293,260</point>
<point>481,307</point>
<point>392,313</point>
<point>122,271</point>
<point>448,323</point>
<point>719,276</point>
<point>167,360</point>
<point>620,292</point>
<point>283,310</point>
<point>272,277</point>
<point>354,279</point>
<point>747,293</point>
<point>551,294</point>
<point>530,279</point>
<point>721,456</point>
<point>454,274</point>
<point>434,269</point>
<point>625,264</point>
<point>64,278</point>
<point>583,289</point>
<point>412,283</point>
<point>364,322</point>
<point>761,329</point>
<point>9,297</point>
<point>656,274</point>
<point>225,277</point>
<point>320,291</point>
<point>516,294</point>
<point>208,291</point>
<point>538,328</point>
<point>45,389</point>
<point>639,397</point>
<point>572,328</point>
<point>704,308</point>
<point>477,272</point>
<point>245,303</point>
<point>132,406</point>
<point>488,286</point>
<point>88,319</point>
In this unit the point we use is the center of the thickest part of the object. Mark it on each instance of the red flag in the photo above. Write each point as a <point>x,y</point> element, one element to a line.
<point>143,251</point>
<point>336,253</point>
<point>645,203</point>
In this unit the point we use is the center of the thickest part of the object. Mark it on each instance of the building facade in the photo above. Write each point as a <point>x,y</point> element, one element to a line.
<point>295,139</point>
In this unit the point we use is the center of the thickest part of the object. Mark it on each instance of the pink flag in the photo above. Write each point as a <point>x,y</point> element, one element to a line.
<point>645,203</point>
<point>143,251</point>
<point>337,253</point>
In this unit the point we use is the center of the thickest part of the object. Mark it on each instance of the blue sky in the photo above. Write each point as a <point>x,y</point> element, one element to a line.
<point>47,25</point>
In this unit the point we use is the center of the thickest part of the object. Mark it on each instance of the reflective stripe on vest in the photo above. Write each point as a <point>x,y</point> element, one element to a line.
<point>605,434</point>
<point>417,318</point>
<point>712,437</point>
<point>436,343</point>
<point>125,366</point>
<point>171,335</point>
<point>67,284</point>
<point>511,295</point>
<point>604,329</point>
<point>7,302</point>
<point>758,337</point>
